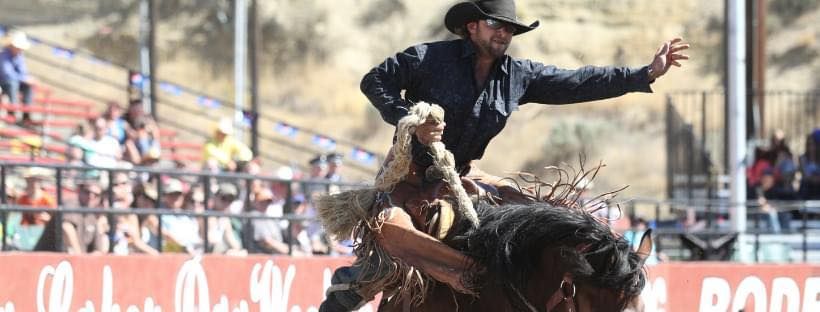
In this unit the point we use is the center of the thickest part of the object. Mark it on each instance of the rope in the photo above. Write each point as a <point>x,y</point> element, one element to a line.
<point>399,167</point>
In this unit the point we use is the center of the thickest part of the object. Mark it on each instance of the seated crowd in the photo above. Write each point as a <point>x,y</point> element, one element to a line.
<point>775,174</point>
<point>109,146</point>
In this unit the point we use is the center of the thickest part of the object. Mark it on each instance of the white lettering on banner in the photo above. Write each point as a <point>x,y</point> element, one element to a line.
<point>811,290</point>
<point>716,294</point>
<point>62,288</point>
<point>268,288</point>
<point>714,288</point>
<point>9,307</point>
<point>785,287</point>
<point>654,295</point>
<point>192,284</point>
<point>750,286</point>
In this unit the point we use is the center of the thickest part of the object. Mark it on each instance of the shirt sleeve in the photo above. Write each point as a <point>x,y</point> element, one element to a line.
<point>384,83</point>
<point>7,71</point>
<point>551,85</point>
<point>22,69</point>
<point>241,151</point>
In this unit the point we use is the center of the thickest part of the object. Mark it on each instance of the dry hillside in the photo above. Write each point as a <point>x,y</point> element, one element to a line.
<point>315,52</point>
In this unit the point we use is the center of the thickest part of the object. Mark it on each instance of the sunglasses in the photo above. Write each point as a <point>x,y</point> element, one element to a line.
<point>496,25</point>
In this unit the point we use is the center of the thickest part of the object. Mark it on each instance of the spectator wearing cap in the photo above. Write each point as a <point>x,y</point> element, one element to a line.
<point>223,152</point>
<point>318,170</point>
<point>35,196</point>
<point>179,232</point>
<point>267,233</point>
<point>221,235</point>
<point>82,233</point>
<point>334,164</point>
<point>14,76</point>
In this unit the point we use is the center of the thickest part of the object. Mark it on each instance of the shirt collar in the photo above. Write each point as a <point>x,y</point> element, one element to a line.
<point>467,48</point>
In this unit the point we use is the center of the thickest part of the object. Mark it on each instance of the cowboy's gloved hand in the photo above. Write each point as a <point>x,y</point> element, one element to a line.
<point>430,131</point>
<point>668,54</point>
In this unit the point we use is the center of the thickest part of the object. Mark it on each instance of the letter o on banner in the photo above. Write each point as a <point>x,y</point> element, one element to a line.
<point>714,287</point>
<point>753,286</point>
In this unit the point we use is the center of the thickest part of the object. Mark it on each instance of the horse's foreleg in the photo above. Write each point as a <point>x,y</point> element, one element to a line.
<point>402,240</point>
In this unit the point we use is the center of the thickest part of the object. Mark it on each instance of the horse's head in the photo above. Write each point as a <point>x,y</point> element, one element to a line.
<point>548,258</point>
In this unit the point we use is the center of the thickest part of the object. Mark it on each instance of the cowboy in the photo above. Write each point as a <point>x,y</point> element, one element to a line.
<point>14,77</point>
<point>478,86</point>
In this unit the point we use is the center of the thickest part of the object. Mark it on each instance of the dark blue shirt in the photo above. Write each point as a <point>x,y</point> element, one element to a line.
<point>12,67</point>
<point>443,73</point>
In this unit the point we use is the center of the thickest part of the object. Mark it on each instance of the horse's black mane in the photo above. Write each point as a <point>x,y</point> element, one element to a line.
<point>510,241</point>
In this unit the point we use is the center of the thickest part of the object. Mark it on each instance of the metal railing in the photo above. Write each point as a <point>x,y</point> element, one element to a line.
<point>673,219</point>
<point>205,179</point>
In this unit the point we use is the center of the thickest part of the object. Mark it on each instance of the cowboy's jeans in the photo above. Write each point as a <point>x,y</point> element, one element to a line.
<point>13,89</point>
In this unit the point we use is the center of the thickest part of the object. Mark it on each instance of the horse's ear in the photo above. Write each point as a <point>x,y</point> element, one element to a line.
<point>645,248</point>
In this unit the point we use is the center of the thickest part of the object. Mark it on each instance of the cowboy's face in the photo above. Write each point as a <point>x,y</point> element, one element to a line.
<point>491,38</point>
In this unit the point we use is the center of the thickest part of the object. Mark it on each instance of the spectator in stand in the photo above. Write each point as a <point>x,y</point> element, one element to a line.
<point>221,235</point>
<point>179,232</point>
<point>145,197</point>
<point>146,139</point>
<point>117,126</point>
<point>82,137</point>
<point>810,168</point>
<point>14,77</point>
<point>334,167</point>
<point>126,235</point>
<point>303,234</point>
<point>763,160</point>
<point>318,171</point>
<point>785,167</point>
<point>82,233</point>
<point>103,151</point>
<point>35,196</point>
<point>223,152</point>
<point>134,113</point>
<point>267,233</point>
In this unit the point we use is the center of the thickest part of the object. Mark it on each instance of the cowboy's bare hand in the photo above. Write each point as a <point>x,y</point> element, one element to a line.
<point>668,54</point>
<point>430,131</point>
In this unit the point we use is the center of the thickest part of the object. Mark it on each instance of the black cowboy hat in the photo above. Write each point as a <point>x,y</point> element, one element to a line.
<point>502,10</point>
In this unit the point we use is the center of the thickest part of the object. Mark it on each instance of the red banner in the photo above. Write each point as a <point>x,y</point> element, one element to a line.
<point>62,283</point>
<point>715,286</point>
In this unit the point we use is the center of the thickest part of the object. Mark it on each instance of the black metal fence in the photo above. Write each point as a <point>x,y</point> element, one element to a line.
<point>64,176</point>
<point>697,138</point>
<point>700,229</point>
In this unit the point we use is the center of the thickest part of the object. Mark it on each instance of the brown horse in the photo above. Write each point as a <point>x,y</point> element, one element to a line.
<point>538,257</point>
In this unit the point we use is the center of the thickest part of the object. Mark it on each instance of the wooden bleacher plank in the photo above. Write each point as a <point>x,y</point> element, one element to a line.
<point>52,148</point>
<point>48,111</point>
<point>14,133</point>
<point>181,145</point>
<point>84,105</point>
<point>27,158</point>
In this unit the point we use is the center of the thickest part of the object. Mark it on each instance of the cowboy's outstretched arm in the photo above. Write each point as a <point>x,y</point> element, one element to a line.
<point>384,83</point>
<point>550,85</point>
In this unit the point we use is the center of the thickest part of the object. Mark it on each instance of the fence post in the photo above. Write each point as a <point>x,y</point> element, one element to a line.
<point>805,209</point>
<point>670,155</point>
<point>58,216</point>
